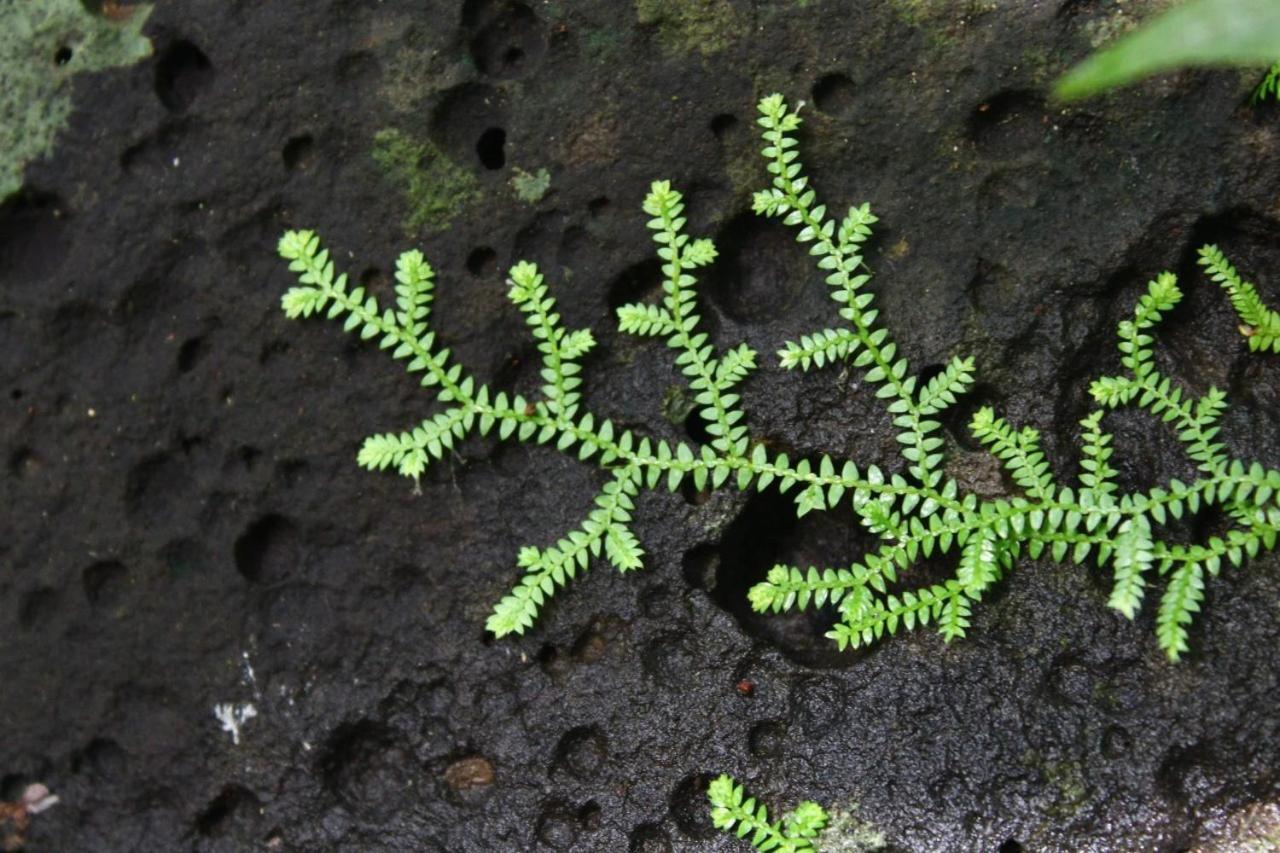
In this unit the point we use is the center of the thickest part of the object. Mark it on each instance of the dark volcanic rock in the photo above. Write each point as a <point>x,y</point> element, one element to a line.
<point>185,525</point>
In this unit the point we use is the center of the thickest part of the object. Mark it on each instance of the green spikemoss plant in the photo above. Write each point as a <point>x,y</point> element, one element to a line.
<point>1258,323</point>
<point>1268,87</point>
<point>915,508</point>
<point>733,811</point>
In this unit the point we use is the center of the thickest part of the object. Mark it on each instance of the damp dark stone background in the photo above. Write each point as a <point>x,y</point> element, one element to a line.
<point>184,525</point>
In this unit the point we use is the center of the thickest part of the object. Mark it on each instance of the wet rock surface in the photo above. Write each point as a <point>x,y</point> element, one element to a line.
<point>185,526</point>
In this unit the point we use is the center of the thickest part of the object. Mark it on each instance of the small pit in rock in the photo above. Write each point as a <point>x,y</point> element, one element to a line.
<point>233,801</point>
<point>490,148</point>
<point>689,807</point>
<point>649,838</point>
<point>580,753</point>
<point>760,273</point>
<point>267,550</point>
<point>766,533</point>
<point>364,766</point>
<point>298,152</point>
<point>104,583</point>
<point>834,95</point>
<point>510,43</point>
<point>482,262</point>
<point>183,72</point>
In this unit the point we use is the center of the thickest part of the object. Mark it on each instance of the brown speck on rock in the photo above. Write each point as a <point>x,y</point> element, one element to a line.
<point>474,771</point>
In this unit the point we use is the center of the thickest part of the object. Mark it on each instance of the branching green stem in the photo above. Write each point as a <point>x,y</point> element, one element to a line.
<point>916,515</point>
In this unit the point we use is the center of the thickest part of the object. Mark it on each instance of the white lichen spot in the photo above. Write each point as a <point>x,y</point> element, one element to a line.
<point>233,718</point>
<point>36,798</point>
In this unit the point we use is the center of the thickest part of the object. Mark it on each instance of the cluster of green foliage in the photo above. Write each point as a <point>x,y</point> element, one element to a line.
<point>1197,33</point>
<point>1269,87</point>
<point>733,811</point>
<point>918,512</point>
<point>1258,323</point>
<point>42,46</point>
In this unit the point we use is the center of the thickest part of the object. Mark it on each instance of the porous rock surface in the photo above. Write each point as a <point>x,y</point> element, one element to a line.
<point>184,525</point>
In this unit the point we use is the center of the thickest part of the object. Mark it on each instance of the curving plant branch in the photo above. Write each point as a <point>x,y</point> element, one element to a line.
<point>915,509</point>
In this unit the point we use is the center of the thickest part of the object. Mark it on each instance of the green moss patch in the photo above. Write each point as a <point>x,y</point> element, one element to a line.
<point>43,44</point>
<point>436,188</point>
<point>707,26</point>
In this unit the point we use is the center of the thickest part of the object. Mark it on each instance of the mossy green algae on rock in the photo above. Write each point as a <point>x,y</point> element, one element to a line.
<point>43,45</point>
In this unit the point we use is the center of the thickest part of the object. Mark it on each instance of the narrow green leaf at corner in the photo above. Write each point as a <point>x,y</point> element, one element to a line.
<point>1200,33</point>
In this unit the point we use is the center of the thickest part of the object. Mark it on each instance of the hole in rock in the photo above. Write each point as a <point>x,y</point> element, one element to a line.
<point>297,152</point>
<point>723,124</point>
<point>216,818</point>
<point>695,426</point>
<point>640,282</point>
<point>367,769</point>
<point>689,807</point>
<point>489,148</point>
<point>834,94</point>
<point>589,816</point>
<point>700,565</point>
<point>103,759</point>
<point>649,838</point>
<point>462,117</point>
<point>581,753</point>
<point>34,235</point>
<point>63,55</point>
<point>692,495</point>
<point>956,418</point>
<point>104,583</point>
<point>23,462</point>
<point>767,739</point>
<point>1008,120</point>
<point>760,274</point>
<point>557,826</point>
<point>267,550</point>
<point>510,43</point>
<point>38,608</point>
<point>189,354</point>
<point>766,533</point>
<point>183,72</point>
<point>594,641</point>
<point>377,284</point>
<point>482,262</point>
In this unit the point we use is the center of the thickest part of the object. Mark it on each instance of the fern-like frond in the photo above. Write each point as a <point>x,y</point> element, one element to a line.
<point>604,531</point>
<point>709,377</point>
<point>1268,86</point>
<point>838,248</point>
<point>1096,474</point>
<point>1258,323</point>
<point>1018,449</point>
<point>645,320</point>
<point>1178,606</point>
<point>866,619</point>
<point>1195,422</point>
<point>915,514</point>
<point>1131,560</point>
<point>829,345</point>
<point>733,811</point>
<point>410,452</point>
<point>559,347</point>
<point>941,391</point>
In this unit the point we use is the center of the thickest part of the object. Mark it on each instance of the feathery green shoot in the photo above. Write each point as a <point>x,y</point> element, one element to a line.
<point>733,811</point>
<point>913,507</point>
